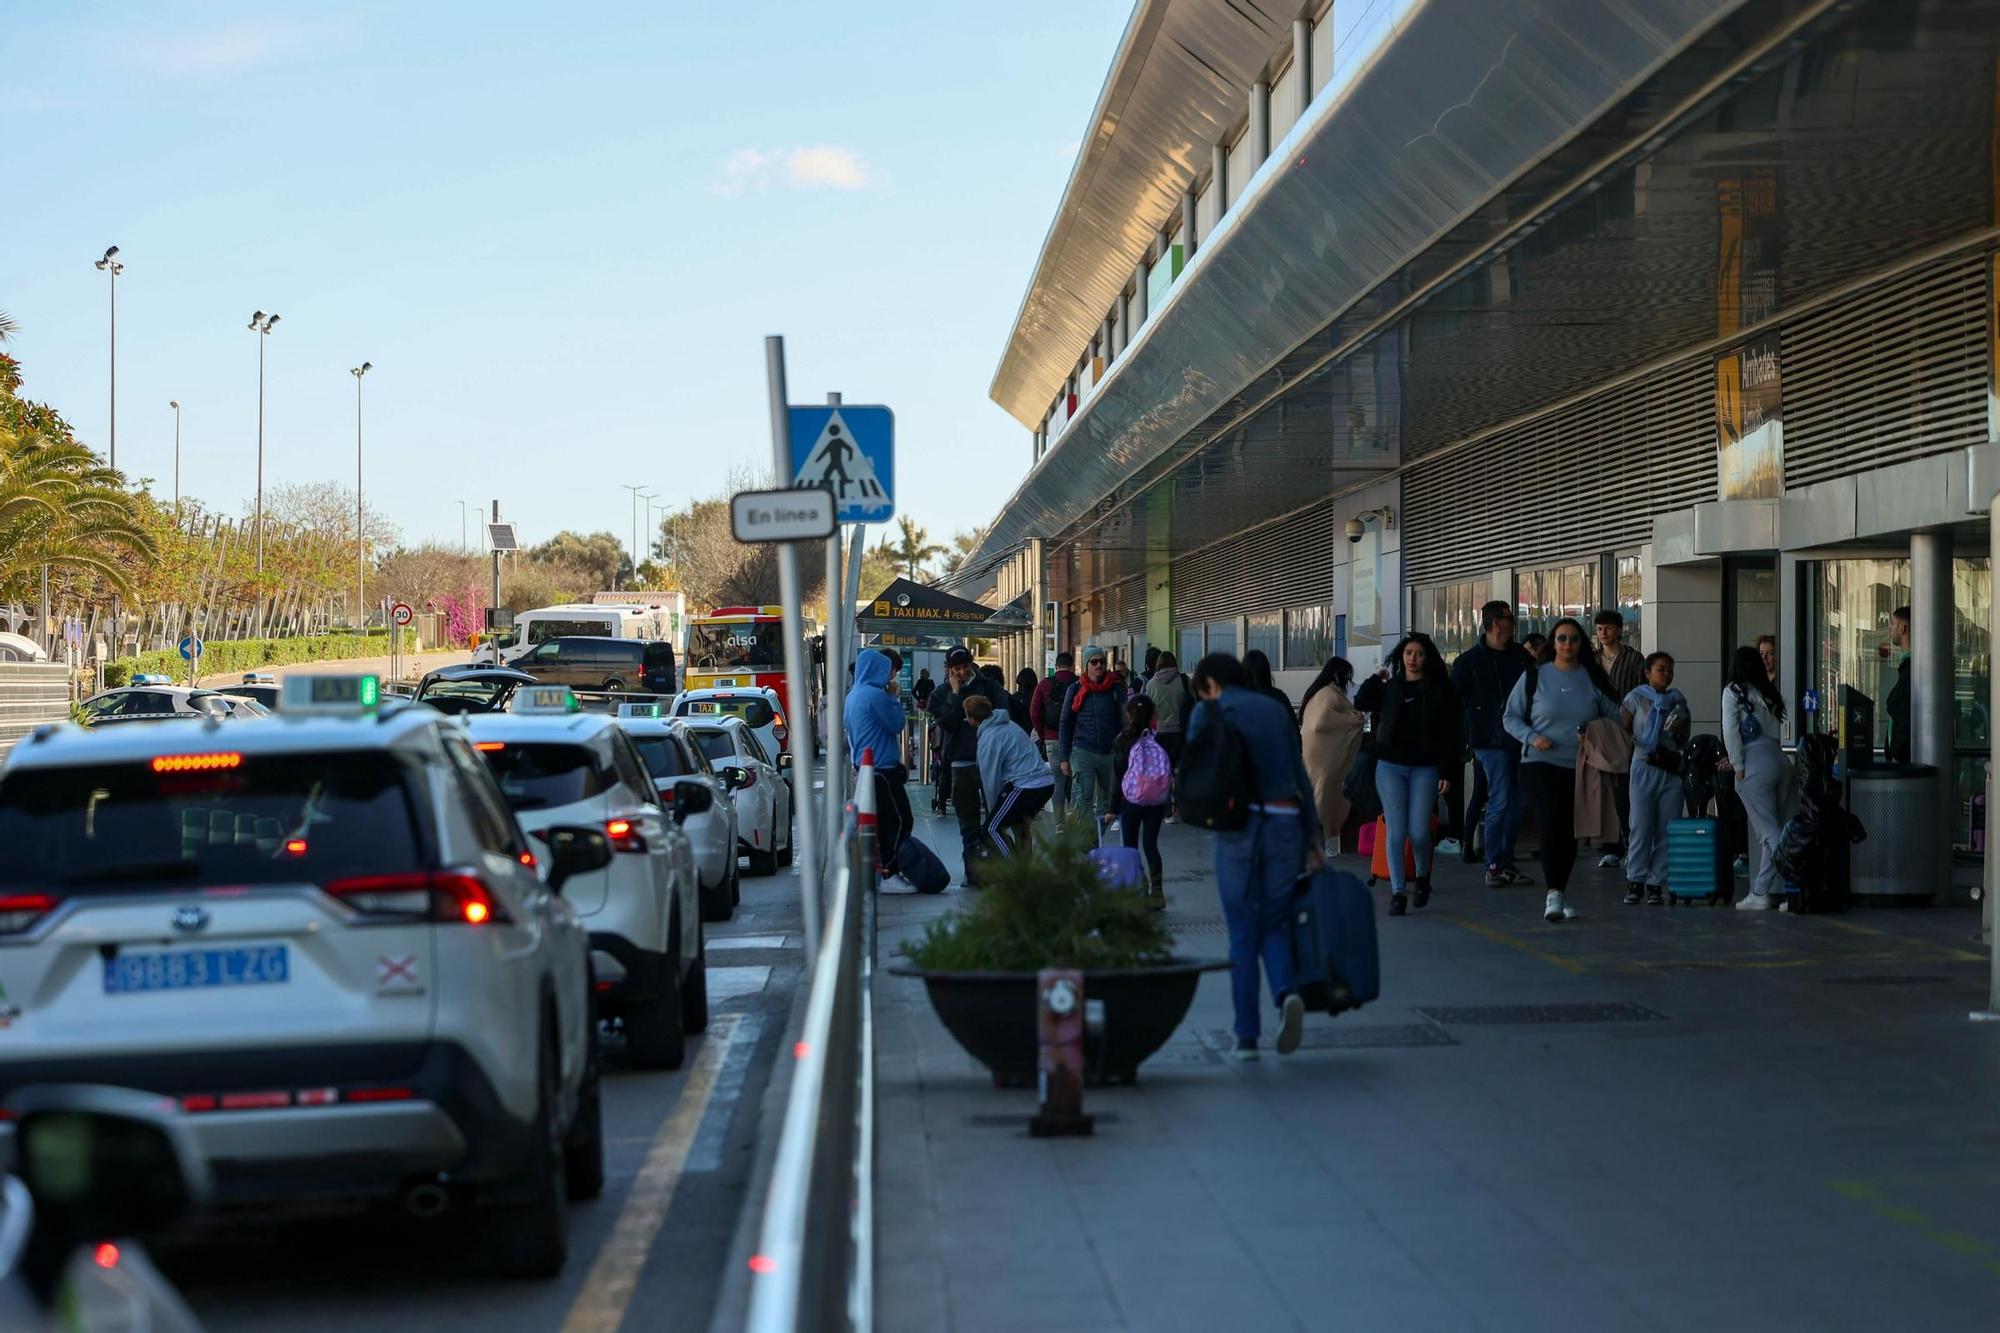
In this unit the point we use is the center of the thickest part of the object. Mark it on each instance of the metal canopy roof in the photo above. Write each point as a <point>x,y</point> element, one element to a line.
<point>1176,86</point>
<point>911,608</point>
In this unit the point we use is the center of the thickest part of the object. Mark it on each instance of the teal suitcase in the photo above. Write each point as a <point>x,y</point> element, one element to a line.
<point>1697,865</point>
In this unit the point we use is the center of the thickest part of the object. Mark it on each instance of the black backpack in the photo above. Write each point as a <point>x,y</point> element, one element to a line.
<point>1217,779</point>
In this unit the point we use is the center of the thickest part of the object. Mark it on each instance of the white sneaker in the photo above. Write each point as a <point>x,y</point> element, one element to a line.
<point>1569,913</point>
<point>1608,860</point>
<point>1553,907</point>
<point>1756,902</point>
<point>1449,847</point>
<point>1330,848</point>
<point>1292,1024</point>
<point>895,884</point>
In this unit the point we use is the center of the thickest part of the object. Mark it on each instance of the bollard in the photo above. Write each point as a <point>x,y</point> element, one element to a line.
<point>1059,1012</point>
<point>864,818</point>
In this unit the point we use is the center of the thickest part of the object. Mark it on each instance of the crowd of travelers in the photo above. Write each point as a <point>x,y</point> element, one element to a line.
<point>1575,728</point>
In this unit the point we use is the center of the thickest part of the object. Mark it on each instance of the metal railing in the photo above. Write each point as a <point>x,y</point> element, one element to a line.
<point>815,1263</point>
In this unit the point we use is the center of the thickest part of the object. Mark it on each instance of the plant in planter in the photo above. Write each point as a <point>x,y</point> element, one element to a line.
<point>1049,906</point>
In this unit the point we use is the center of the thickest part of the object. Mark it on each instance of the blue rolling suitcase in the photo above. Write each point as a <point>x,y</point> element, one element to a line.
<point>1334,962</point>
<point>1120,866</point>
<point>921,866</point>
<point>1697,865</point>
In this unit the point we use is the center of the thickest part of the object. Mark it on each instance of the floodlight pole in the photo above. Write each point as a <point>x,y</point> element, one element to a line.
<point>800,736</point>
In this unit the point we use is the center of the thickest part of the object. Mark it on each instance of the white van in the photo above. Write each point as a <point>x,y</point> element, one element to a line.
<point>580,620</point>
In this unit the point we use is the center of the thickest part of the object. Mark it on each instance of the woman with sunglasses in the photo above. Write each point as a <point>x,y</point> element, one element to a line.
<point>1548,707</point>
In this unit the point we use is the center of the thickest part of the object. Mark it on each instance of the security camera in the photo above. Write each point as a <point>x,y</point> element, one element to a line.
<point>1356,530</point>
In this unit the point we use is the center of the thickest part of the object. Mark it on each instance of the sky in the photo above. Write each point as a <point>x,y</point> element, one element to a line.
<point>560,233</point>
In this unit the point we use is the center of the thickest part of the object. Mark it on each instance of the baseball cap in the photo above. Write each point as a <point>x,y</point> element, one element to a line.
<point>958,657</point>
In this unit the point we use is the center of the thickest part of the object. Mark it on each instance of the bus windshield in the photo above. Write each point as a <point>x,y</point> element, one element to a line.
<point>723,647</point>
<point>540,630</point>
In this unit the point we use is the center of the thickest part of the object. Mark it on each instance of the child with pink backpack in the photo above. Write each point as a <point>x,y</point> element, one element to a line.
<point>1142,790</point>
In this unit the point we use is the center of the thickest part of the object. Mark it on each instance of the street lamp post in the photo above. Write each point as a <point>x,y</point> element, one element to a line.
<point>176,405</point>
<point>462,546</point>
<point>112,265</point>
<point>261,324</point>
<point>638,493</point>
<point>360,538</point>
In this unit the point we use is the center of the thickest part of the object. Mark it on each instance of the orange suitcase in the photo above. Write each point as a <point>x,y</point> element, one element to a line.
<point>1378,862</point>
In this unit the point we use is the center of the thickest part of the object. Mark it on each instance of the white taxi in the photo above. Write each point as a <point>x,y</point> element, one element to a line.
<point>763,799</point>
<point>324,935</point>
<point>698,798</point>
<point>561,767</point>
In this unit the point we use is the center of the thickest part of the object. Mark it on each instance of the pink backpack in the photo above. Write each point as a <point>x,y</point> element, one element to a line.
<point>1149,778</point>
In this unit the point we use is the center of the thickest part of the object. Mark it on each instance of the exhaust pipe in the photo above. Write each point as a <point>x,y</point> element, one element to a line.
<point>426,1199</point>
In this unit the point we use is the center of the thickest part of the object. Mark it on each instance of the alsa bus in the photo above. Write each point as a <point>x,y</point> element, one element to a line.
<point>733,647</point>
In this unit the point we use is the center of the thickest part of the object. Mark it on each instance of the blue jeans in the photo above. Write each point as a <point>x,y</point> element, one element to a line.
<point>1409,799</point>
<point>1502,768</point>
<point>1255,868</point>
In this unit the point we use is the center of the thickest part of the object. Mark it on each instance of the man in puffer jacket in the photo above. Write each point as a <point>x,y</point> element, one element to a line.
<point>1093,713</point>
<point>962,681</point>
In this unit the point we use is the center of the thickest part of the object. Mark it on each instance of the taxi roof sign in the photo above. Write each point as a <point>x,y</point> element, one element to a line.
<point>534,700</point>
<point>152,678</point>
<point>639,710</point>
<point>307,693</point>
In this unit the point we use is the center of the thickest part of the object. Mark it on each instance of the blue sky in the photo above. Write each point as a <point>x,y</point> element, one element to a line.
<point>559,232</point>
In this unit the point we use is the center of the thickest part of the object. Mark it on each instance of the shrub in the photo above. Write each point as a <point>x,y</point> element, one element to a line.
<point>1046,906</point>
<point>221,657</point>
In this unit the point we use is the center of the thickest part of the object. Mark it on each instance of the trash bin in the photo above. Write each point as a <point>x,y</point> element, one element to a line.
<point>1905,860</point>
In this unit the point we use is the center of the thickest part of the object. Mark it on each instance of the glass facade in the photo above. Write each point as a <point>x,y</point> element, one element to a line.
<point>1187,646</point>
<point>1222,636</point>
<point>1546,595</point>
<point>1266,634</point>
<point>1631,601</point>
<point>1310,638</point>
<point>1449,613</point>
<point>1848,604</point>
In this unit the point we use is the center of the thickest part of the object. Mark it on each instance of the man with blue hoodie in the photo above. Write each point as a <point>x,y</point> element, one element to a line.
<point>1011,771</point>
<point>875,722</point>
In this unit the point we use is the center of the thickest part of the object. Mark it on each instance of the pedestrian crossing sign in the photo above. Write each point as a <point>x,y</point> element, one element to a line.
<point>850,450</point>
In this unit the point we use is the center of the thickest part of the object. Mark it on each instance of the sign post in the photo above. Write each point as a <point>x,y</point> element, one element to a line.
<point>800,737</point>
<point>838,655</point>
<point>191,648</point>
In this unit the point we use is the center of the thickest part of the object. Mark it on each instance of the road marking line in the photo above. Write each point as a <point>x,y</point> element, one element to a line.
<point>607,1290</point>
<point>1958,1242</point>
<point>1502,937</point>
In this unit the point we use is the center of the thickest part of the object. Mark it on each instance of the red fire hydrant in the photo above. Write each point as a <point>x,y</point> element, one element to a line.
<point>1059,1010</point>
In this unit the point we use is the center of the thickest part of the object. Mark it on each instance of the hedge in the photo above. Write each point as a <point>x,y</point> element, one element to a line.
<point>235,656</point>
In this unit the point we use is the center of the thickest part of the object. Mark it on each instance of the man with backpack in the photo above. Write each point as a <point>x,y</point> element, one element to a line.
<point>1045,725</point>
<point>1093,711</point>
<point>1173,700</point>
<point>1011,771</point>
<point>1243,777</point>
<point>1484,676</point>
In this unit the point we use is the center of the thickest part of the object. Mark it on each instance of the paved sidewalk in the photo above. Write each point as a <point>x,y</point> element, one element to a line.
<point>1742,1121</point>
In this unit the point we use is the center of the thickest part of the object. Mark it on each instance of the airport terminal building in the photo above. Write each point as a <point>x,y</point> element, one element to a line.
<point>1357,315</point>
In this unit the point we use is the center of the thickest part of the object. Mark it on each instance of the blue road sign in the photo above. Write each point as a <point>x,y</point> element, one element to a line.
<point>190,648</point>
<point>851,451</point>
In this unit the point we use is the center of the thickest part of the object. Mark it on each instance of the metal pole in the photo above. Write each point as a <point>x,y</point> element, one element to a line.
<point>360,539</point>
<point>800,737</point>
<point>837,761</point>
<point>1989,906</point>
<point>496,566</point>
<point>177,460</point>
<point>114,366</point>
<point>261,335</point>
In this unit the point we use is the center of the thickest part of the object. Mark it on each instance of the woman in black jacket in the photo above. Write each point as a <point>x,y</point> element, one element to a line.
<point>1419,737</point>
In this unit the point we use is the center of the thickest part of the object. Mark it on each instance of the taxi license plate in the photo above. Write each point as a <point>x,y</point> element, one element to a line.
<point>196,969</point>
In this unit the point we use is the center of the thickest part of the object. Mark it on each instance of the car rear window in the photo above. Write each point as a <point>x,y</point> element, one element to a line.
<point>225,818</point>
<point>716,744</point>
<point>543,774</point>
<point>662,756</point>
<point>754,711</point>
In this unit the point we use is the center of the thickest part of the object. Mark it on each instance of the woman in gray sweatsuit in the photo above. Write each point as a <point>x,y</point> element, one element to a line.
<point>1569,690</point>
<point>1753,712</point>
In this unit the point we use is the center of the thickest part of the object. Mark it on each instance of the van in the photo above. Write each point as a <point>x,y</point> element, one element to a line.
<point>580,619</point>
<point>597,663</point>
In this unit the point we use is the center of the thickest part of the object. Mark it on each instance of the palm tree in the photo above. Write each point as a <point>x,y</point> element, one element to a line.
<point>962,546</point>
<point>8,328</point>
<point>61,505</point>
<point>914,547</point>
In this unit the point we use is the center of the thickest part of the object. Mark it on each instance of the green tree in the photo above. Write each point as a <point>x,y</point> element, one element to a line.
<point>60,505</point>
<point>600,554</point>
<point>880,567</point>
<point>963,544</point>
<point>914,547</point>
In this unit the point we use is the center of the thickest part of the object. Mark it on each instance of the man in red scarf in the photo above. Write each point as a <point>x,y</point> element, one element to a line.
<point>1093,713</point>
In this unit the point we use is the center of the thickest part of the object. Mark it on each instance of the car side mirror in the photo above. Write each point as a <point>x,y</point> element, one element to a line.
<point>785,759</point>
<point>100,1162</point>
<point>733,778</point>
<point>692,797</point>
<point>574,850</point>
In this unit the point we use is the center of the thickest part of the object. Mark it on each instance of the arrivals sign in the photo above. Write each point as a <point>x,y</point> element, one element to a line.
<point>1750,421</point>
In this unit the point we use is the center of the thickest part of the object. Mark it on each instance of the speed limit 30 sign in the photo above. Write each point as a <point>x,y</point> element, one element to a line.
<point>401,613</point>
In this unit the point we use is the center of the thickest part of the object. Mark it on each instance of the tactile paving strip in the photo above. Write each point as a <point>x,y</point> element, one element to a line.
<point>1335,1036</point>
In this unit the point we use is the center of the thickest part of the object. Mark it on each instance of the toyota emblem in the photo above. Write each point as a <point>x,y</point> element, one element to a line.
<point>191,919</point>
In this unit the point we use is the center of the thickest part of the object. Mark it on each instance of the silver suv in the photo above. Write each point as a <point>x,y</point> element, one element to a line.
<point>325,935</point>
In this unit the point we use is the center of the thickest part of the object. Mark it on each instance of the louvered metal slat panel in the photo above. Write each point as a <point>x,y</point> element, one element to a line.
<point>1893,373</point>
<point>1582,481</point>
<point>1287,563</point>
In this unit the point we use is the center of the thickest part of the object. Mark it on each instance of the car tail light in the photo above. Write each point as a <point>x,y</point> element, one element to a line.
<point>442,895</point>
<point>196,763</point>
<point>18,911</point>
<point>624,835</point>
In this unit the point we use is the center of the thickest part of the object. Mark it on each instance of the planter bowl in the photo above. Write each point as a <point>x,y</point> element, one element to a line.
<point>992,1015</point>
